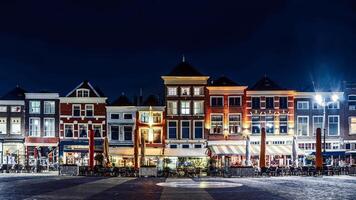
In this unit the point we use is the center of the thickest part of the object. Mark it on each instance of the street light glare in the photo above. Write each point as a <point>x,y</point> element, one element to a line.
<point>319,99</point>
<point>335,98</point>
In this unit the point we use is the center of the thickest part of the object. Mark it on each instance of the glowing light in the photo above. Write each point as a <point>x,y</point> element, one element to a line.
<point>335,97</point>
<point>150,135</point>
<point>319,99</point>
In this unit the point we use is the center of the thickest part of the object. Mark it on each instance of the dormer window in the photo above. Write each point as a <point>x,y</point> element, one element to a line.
<point>82,93</point>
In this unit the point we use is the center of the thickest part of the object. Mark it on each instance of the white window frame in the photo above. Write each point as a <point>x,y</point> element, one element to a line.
<point>3,123</point>
<point>273,106</point>
<point>86,110</point>
<point>188,89</point>
<point>301,104</point>
<point>211,121</point>
<point>123,132</point>
<point>79,124</point>
<point>118,137</point>
<point>314,127</point>
<point>54,107</point>
<point>101,130</point>
<point>202,121</point>
<point>172,95</point>
<point>211,101</point>
<point>31,107</point>
<point>350,124</point>
<point>3,109</point>
<point>351,101</point>
<point>181,129</point>
<point>82,90</point>
<point>273,124</point>
<point>279,126</point>
<point>338,125</point>
<point>240,122</point>
<point>302,116</point>
<point>230,97</point>
<point>200,88</point>
<point>177,132</point>
<point>259,124</point>
<point>123,116</point>
<point>19,124</point>
<point>54,127</point>
<point>80,110</point>
<point>30,130</point>
<point>172,109</point>
<point>118,114</point>
<point>202,108</point>
<point>189,108</point>
<point>64,130</point>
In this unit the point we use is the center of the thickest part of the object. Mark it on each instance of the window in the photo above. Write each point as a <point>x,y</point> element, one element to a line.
<point>172,91</point>
<point>49,127</point>
<point>3,126</point>
<point>49,107</point>
<point>83,130</point>
<point>185,91</point>
<point>82,93</point>
<point>198,129</point>
<point>185,107</point>
<point>114,132</point>
<point>127,116</point>
<point>352,125</point>
<point>316,106</point>
<point>185,129</point>
<point>68,130</point>
<point>172,108</point>
<point>198,146</point>
<point>144,117</point>
<point>35,107</point>
<point>234,124</point>
<point>255,102</point>
<point>333,105</point>
<point>3,109</point>
<point>128,133</point>
<point>256,125</point>
<point>333,125</point>
<point>283,102</point>
<point>303,125</point>
<point>89,110</point>
<point>303,105</point>
<point>216,124</point>
<point>269,124</point>
<point>35,125</point>
<point>216,101</point>
<point>283,124</point>
<point>172,129</point>
<point>97,130</point>
<point>173,146</point>
<point>198,107</point>
<point>352,102</point>
<point>157,117</point>
<point>317,123</point>
<point>185,146</point>
<point>15,108</point>
<point>157,135</point>
<point>76,110</point>
<point>234,101</point>
<point>198,91</point>
<point>269,102</point>
<point>115,116</point>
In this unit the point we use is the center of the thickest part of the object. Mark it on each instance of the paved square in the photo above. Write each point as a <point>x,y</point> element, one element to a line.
<point>58,187</point>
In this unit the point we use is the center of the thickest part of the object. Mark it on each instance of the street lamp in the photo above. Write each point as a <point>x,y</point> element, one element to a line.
<point>323,102</point>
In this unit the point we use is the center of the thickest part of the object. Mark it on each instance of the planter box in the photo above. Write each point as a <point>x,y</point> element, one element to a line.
<point>148,171</point>
<point>69,170</point>
<point>244,171</point>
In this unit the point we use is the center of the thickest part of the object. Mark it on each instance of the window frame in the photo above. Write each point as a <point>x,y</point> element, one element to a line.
<point>302,102</point>
<point>189,107</point>
<point>259,104</point>
<point>171,95</point>
<point>201,102</point>
<point>313,125</point>
<point>216,97</point>
<point>44,127</point>
<point>181,129</point>
<point>230,97</point>
<point>31,108</point>
<point>86,110</point>
<point>30,130</point>
<point>3,122</point>
<point>338,124</point>
<point>182,88</point>
<point>211,123</point>
<point>64,131</point>
<point>80,110</point>
<point>350,124</point>
<point>176,108</point>
<point>168,129</point>
<point>202,126</point>
<point>46,111</point>
<point>82,90</point>
<point>239,122</point>
<point>308,124</point>
<point>201,88</point>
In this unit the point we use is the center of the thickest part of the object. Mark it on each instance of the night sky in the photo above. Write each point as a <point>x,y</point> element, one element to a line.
<point>121,46</point>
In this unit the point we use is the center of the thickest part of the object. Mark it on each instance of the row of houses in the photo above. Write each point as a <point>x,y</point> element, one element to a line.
<point>200,122</point>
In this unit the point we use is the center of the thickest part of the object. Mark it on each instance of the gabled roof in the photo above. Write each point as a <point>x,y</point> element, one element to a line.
<point>152,100</point>
<point>123,100</point>
<point>223,81</point>
<point>93,92</point>
<point>266,84</point>
<point>184,69</point>
<point>15,94</point>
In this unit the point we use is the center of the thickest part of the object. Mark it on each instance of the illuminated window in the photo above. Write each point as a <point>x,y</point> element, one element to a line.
<point>15,108</point>
<point>35,107</point>
<point>333,122</point>
<point>316,106</point>
<point>198,91</point>
<point>144,117</point>
<point>35,125</point>
<point>185,107</point>
<point>283,124</point>
<point>172,107</point>
<point>303,125</point>
<point>234,124</point>
<point>256,125</point>
<point>49,127</point>
<point>157,117</point>
<point>49,107</point>
<point>185,91</point>
<point>270,124</point>
<point>317,123</point>
<point>172,91</point>
<point>352,125</point>
<point>15,126</point>
<point>216,124</point>
<point>198,107</point>
<point>3,109</point>
<point>3,125</point>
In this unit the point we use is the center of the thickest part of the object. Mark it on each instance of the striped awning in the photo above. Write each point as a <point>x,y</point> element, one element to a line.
<point>255,150</point>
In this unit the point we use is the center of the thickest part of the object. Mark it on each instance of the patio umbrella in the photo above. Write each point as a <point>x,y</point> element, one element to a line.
<point>106,150</point>
<point>263,149</point>
<point>91,149</point>
<point>294,152</point>
<point>248,161</point>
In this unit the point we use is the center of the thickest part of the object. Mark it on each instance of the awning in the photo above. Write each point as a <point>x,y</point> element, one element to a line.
<point>199,152</point>
<point>332,153</point>
<point>255,150</point>
<point>129,151</point>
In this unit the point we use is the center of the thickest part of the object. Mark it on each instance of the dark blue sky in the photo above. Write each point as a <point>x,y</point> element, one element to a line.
<point>121,46</point>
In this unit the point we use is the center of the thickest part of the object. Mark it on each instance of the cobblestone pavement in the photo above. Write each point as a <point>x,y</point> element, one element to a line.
<point>60,187</point>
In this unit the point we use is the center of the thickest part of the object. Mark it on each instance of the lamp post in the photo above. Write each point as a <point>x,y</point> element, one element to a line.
<point>323,102</point>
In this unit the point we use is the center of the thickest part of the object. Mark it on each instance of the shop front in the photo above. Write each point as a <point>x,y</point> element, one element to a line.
<point>13,153</point>
<point>121,156</point>
<point>186,158</point>
<point>43,155</point>
<point>77,152</point>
